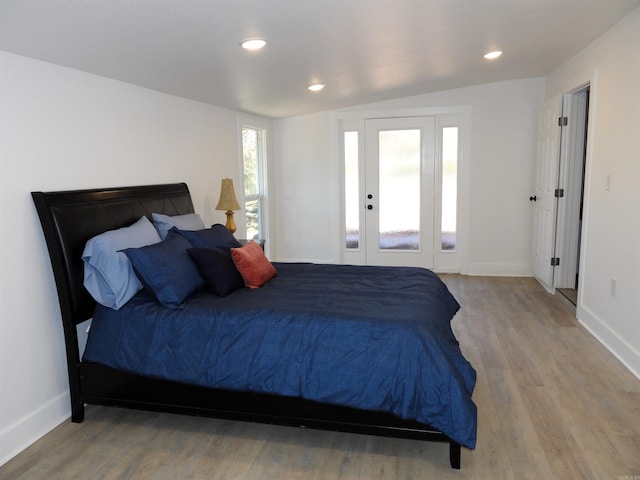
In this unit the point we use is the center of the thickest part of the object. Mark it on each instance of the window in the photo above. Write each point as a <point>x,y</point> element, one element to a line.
<point>399,189</point>
<point>253,165</point>
<point>351,190</point>
<point>448,227</point>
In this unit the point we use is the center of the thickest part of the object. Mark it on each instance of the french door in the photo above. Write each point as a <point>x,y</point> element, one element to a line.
<point>393,224</point>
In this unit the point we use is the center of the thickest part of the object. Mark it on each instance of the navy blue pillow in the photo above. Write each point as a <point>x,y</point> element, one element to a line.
<point>166,270</point>
<point>217,268</point>
<point>218,236</point>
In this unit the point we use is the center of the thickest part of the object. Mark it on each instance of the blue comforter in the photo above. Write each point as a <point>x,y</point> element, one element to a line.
<point>375,338</point>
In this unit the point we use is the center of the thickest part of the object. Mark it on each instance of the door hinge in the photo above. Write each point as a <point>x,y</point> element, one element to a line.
<point>559,192</point>
<point>555,261</point>
<point>563,121</point>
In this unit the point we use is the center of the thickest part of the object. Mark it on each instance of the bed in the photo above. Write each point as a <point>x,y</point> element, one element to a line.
<point>306,312</point>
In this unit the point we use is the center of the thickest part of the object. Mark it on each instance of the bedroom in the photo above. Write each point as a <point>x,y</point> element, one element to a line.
<point>54,138</point>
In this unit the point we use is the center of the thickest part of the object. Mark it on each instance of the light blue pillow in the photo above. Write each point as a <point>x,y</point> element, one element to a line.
<point>167,271</point>
<point>164,223</point>
<point>108,274</point>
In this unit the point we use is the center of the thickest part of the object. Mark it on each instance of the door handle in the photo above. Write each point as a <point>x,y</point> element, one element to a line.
<point>532,199</point>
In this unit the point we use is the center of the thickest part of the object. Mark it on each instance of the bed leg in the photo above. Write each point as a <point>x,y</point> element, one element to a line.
<point>77,412</point>
<point>454,454</point>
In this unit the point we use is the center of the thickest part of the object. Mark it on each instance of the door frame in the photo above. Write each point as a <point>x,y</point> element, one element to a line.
<point>573,151</point>
<point>572,177</point>
<point>354,121</point>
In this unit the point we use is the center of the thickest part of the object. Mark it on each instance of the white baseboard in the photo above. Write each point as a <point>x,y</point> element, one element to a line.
<point>27,430</point>
<point>499,270</point>
<point>617,345</point>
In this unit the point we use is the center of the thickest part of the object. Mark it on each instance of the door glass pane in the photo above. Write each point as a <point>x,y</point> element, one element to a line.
<point>351,190</point>
<point>399,189</point>
<point>449,188</point>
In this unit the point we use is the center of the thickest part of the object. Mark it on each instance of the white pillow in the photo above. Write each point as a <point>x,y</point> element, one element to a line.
<point>188,221</point>
<point>108,273</point>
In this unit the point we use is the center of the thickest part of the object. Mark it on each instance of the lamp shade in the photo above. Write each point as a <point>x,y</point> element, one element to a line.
<point>228,200</point>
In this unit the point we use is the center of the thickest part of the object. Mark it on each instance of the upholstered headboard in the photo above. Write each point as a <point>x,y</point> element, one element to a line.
<point>70,218</point>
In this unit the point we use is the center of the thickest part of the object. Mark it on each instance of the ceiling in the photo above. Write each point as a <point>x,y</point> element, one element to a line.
<point>363,50</point>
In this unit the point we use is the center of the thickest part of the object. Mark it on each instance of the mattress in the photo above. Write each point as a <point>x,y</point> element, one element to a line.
<point>374,338</point>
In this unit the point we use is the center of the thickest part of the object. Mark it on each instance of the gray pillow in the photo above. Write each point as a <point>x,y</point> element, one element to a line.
<point>164,223</point>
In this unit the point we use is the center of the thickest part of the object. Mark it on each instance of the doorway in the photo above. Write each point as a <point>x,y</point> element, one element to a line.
<point>559,192</point>
<point>405,189</point>
<point>389,191</point>
<point>572,174</point>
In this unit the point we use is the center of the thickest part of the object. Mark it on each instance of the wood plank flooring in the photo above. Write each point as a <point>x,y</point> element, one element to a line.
<point>553,403</point>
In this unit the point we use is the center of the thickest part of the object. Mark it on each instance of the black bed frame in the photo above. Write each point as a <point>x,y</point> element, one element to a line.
<point>69,219</point>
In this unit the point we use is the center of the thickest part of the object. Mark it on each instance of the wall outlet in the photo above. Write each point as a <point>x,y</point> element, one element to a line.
<point>614,286</point>
<point>607,182</point>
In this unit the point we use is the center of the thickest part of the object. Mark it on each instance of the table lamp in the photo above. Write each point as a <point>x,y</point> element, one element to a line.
<point>228,202</point>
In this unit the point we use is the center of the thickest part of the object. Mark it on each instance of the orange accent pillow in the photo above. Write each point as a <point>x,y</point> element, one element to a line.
<point>253,265</point>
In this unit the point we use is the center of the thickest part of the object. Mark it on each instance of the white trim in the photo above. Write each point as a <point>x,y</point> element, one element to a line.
<point>500,269</point>
<point>617,345</point>
<point>464,196</point>
<point>591,78</point>
<point>30,428</point>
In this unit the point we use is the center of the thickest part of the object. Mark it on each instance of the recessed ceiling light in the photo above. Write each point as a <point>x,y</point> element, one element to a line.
<point>493,55</point>
<point>253,43</point>
<point>316,87</point>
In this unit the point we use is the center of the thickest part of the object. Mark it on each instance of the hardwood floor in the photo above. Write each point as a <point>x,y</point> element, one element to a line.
<point>571,294</point>
<point>553,404</point>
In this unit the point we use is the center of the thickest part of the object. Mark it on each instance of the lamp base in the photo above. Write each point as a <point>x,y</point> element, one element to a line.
<point>231,225</point>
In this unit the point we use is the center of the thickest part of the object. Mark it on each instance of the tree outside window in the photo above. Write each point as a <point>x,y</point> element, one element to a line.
<point>253,157</point>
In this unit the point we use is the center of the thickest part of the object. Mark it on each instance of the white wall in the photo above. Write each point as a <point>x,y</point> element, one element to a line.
<point>611,234</point>
<point>64,129</point>
<point>305,177</point>
<point>504,124</point>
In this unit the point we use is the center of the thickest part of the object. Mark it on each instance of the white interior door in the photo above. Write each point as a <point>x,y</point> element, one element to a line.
<point>571,172</point>
<point>399,191</point>
<point>543,198</point>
